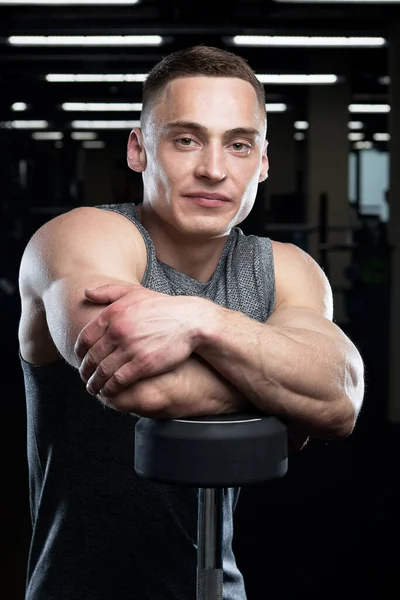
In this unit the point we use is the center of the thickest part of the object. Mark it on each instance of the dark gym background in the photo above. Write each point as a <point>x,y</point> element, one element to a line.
<point>330,528</point>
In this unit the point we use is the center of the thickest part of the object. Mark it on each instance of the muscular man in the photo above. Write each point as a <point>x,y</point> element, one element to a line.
<point>166,309</point>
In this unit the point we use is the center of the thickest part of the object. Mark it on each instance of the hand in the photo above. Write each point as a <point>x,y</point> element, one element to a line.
<point>171,395</point>
<point>191,390</point>
<point>140,334</point>
<point>151,397</point>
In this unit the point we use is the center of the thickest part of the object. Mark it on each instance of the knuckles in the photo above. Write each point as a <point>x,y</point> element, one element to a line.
<point>90,360</point>
<point>146,366</point>
<point>117,330</point>
<point>119,378</point>
<point>82,343</point>
<point>120,329</point>
<point>102,371</point>
<point>137,369</point>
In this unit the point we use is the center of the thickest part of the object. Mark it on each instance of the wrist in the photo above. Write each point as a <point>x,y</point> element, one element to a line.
<point>205,323</point>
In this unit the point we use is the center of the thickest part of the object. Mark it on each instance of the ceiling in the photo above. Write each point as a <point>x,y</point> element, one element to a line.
<point>184,23</point>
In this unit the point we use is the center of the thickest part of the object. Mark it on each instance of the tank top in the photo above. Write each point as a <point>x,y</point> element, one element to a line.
<point>100,532</point>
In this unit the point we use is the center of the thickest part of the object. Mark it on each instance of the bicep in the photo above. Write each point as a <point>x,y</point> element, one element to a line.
<point>63,258</point>
<point>300,281</point>
<point>303,292</point>
<point>68,312</point>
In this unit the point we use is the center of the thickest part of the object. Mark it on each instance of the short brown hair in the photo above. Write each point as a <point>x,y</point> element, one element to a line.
<point>197,61</point>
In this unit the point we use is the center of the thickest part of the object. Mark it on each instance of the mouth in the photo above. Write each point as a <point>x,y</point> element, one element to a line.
<point>207,200</point>
<point>208,196</point>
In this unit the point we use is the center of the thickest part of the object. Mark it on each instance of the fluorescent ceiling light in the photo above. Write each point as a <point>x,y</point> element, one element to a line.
<point>94,145</point>
<point>83,135</point>
<point>101,106</point>
<point>309,41</point>
<point>47,135</point>
<point>272,107</point>
<point>105,124</point>
<point>301,124</point>
<point>62,2</point>
<point>355,136</point>
<point>85,40</point>
<point>29,124</point>
<point>19,106</point>
<point>276,107</point>
<point>369,108</point>
<point>381,137</point>
<point>95,78</point>
<point>365,145</point>
<point>355,124</point>
<point>298,79</point>
<point>351,124</point>
<point>299,136</point>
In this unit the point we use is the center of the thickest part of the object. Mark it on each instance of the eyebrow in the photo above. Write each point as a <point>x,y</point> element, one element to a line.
<point>202,129</point>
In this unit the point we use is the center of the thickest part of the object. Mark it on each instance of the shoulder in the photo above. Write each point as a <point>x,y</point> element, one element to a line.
<point>91,222</point>
<point>299,280</point>
<point>86,223</point>
<point>86,227</point>
<point>82,238</point>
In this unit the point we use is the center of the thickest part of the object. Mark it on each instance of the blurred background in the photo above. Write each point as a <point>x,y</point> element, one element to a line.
<point>71,77</point>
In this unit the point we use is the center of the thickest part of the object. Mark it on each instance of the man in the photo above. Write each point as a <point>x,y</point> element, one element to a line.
<point>166,310</point>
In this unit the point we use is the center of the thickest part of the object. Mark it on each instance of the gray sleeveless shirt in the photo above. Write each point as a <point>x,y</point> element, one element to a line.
<point>99,531</point>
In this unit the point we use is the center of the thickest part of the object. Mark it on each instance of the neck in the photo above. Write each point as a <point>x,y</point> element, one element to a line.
<point>197,258</point>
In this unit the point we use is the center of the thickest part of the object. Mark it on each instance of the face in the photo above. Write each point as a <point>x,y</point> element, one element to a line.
<point>202,154</point>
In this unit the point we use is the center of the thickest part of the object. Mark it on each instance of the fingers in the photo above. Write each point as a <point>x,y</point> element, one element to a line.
<point>129,373</point>
<point>98,366</point>
<point>109,293</point>
<point>126,375</point>
<point>142,398</point>
<point>97,327</point>
<point>111,376</point>
<point>90,334</point>
<point>109,372</point>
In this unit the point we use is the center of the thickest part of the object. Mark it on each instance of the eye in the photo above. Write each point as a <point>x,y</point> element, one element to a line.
<point>241,147</point>
<point>185,141</point>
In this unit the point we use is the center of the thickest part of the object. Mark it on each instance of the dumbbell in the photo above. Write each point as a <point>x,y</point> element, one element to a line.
<point>211,453</point>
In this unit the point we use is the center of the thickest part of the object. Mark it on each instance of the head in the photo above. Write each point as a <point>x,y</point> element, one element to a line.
<point>203,130</point>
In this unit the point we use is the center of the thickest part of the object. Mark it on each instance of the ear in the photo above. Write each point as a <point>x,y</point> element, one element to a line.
<point>264,164</point>
<point>136,153</point>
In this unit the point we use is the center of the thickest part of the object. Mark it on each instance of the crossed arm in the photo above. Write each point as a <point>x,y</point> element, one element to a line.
<point>298,365</point>
<point>167,356</point>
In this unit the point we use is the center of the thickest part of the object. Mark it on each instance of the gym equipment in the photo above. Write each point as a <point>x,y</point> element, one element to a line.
<point>211,453</point>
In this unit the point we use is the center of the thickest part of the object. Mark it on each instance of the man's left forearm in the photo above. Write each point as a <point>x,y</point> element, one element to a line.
<point>302,376</point>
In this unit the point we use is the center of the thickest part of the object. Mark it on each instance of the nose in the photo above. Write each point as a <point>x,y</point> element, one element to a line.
<point>211,164</point>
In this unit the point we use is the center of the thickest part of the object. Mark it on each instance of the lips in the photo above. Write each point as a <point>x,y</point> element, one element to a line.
<point>208,196</point>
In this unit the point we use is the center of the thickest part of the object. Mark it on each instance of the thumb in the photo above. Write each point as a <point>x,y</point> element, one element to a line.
<point>108,293</point>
